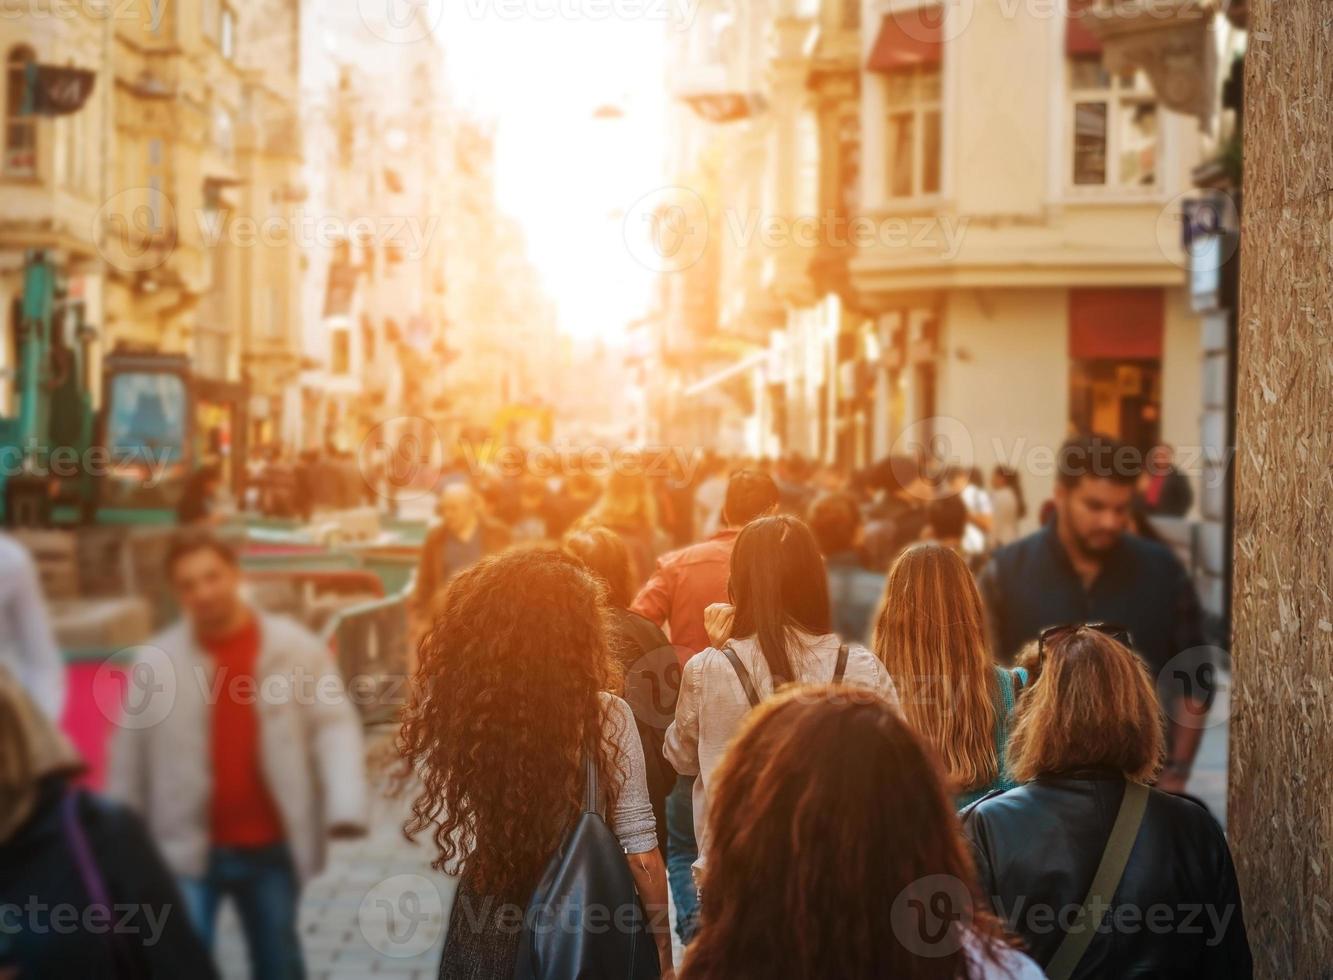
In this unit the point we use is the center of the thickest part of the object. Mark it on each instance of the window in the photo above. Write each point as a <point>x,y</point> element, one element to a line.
<point>1114,127</point>
<point>227,33</point>
<point>20,130</point>
<point>340,352</point>
<point>913,131</point>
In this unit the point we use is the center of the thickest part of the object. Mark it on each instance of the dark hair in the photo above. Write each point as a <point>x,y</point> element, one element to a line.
<point>1010,477</point>
<point>603,552</point>
<point>1099,457</point>
<point>778,584</point>
<point>750,494</point>
<point>834,518</point>
<point>830,818</point>
<point>947,517</point>
<point>186,543</point>
<point>892,474</point>
<point>505,702</point>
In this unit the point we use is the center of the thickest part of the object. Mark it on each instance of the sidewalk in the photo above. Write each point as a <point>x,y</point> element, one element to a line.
<point>377,910</point>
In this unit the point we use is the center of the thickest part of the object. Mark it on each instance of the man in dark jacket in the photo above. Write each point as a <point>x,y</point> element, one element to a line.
<point>1085,567</point>
<point>465,535</point>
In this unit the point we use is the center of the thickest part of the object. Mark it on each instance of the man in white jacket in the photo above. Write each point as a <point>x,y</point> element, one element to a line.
<point>240,748</point>
<point>27,642</point>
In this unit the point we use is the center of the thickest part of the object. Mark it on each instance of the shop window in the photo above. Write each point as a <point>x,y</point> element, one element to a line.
<point>20,130</point>
<point>1115,372</point>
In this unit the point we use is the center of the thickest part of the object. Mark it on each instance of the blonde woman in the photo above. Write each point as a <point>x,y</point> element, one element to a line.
<point>931,636</point>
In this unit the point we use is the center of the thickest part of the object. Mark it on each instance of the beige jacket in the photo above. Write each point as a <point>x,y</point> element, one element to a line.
<point>313,757</point>
<point>712,704</point>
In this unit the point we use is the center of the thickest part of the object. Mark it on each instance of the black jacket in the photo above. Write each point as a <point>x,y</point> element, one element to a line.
<point>42,892</point>
<point>1177,911</point>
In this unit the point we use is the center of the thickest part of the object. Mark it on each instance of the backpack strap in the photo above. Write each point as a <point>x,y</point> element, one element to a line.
<point>589,783</point>
<point>1110,870</point>
<point>841,667</point>
<point>743,675</point>
<point>90,873</point>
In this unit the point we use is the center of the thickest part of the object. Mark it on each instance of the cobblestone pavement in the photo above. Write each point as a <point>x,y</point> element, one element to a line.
<point>377,910</point>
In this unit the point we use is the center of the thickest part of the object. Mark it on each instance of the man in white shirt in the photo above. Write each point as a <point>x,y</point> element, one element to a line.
<point>27,641</point>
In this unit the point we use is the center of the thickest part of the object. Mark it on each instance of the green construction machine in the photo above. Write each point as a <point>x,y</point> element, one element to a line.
<point>65,463</point>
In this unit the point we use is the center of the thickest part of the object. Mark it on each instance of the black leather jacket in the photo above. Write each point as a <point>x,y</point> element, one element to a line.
<point>1177,912</point>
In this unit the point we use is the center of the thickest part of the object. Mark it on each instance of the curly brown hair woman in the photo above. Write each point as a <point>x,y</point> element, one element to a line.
<point>836,853</point>
<point>509,698</point>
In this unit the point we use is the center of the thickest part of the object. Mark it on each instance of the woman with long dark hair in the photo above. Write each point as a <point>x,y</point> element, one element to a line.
<point>776,631</point>
<point>509,700</point>
<point>836,853</point>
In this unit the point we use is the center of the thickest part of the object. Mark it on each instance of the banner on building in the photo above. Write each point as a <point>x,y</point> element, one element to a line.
<point>51,90</point>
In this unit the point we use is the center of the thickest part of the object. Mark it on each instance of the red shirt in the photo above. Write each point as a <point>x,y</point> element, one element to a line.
<point>686,583</point>
<point>242,812</point>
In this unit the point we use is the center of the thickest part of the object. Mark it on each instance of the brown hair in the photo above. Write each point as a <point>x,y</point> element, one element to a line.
<point>603,552</point>
<point>1091,705</point>
<point>31,749</point>
<point>505,705</point>
<point>187,543</point>
<point>826,812</point>
<point>931,636</point>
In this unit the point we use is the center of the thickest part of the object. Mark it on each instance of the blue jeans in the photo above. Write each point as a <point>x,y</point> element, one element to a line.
<point>682,850</point>
<point>262,882</point>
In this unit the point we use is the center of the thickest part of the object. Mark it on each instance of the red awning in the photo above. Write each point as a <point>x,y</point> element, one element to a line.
<point>1118,324</point>
<point>908,38</point>
<point>1079,37</point>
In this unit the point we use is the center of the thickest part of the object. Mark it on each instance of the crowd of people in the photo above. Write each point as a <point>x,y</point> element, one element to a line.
<point>877,730</point>
<point>831,724</point>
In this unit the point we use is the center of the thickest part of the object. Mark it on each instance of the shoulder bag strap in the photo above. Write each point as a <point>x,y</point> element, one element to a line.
<point>841,667</point>
<point>743,675</point>
<point>590,783</point>
<point>91,876</point>
<point>1104,883</point>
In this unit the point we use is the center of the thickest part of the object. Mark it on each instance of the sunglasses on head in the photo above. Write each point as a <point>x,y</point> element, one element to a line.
<point>1056,633</point>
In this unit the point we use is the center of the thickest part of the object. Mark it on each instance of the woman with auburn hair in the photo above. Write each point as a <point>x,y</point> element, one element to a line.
<point>643,653</point>
<point>508,701</point>
<point>931,635</point>
<point>627,507</point>
<point>836,853</point>
<point>777,631</point>
<point>1087,738</point>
